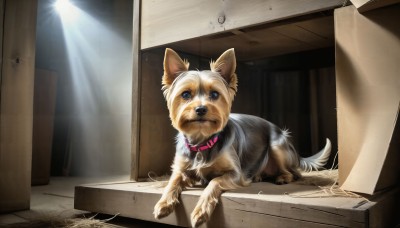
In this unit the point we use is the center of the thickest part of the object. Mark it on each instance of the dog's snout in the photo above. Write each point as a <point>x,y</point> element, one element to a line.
<point>201,110</point>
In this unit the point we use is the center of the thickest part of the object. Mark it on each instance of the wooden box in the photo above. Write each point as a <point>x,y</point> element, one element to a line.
<point>259,32</point>
<point>277,38</point>
<point>260,205</point>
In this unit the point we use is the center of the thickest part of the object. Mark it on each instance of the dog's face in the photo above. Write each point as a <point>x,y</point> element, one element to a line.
<point>199,102</point>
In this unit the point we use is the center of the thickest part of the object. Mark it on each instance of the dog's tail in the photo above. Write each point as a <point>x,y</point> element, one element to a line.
<point>318,160</point>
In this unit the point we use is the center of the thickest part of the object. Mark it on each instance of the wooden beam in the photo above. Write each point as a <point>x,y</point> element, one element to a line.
<point>2,11</point>
<point>43,124</point>
<point>136,93</point>
<point>16,108</point>
<point>254,206</point>
<point>165,22</point>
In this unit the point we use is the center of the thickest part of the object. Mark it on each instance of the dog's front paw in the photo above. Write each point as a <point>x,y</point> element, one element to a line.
<point>163,209</point>
<point>202,212</point>
<point>198,217</point>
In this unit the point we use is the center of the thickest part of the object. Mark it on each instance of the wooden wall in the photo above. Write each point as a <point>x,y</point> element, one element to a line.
<point>16,108</point>
<point>294,91</point>
<point>156,133</point>
<point>43,122</point>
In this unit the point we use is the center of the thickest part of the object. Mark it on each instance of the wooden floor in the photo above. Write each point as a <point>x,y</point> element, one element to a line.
<point>53,204</point>
<point>262,203</point>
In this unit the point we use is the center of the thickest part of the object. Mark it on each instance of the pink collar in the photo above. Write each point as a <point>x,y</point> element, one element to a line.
<point>204,146</point>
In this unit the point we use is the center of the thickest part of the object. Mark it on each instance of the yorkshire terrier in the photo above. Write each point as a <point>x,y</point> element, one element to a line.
<point>221,150</point>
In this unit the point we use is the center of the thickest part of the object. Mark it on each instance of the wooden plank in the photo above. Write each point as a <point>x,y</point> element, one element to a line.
<point>367,105</point>
<point>323,27</point>
<point>261,203</point>
<point>136,85</point>
<point>265,41</point>
<point>251,94</point>
<point>2,12</point>
<point>386,212</point>
<point>366,5</point>
<point>165,22</point>
<point>17,80</point>
<point>307,34</point>
<point>157,145</point>
<point>43,121</point>
<point>314,127</point>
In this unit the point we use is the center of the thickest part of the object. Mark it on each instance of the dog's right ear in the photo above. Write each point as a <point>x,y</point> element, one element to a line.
<point>173,66</point>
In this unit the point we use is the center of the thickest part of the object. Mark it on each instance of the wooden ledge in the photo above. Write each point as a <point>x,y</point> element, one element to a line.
<point>259,204</point>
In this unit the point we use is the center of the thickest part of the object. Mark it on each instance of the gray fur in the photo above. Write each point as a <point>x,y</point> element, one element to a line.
<point>252,138</point>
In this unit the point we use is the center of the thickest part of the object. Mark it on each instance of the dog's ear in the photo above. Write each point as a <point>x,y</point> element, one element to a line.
<point>226,66</point>
<point>173,66</point>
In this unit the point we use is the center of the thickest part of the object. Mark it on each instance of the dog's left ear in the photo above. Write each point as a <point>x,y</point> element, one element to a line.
<point>226,66</point>
<point>173,66</point>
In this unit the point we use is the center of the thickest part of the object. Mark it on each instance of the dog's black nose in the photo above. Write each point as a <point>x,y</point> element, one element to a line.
<point>201,110</point>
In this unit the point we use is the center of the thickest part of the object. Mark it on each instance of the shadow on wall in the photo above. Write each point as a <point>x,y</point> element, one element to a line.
<point>89,44</point>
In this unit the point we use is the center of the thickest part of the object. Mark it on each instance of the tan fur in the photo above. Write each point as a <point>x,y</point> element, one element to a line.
<point>187,91</point>
<point>182,112</point>
<point>173,66</point>
<point>226,167</point>
<point>279,158</point>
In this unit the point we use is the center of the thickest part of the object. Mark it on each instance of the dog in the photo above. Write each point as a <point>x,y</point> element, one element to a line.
<point>221,150</point>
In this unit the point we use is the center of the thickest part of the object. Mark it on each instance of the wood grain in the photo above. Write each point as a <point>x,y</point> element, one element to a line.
<point>17,81</point>
<point>157,145</point>
<point>43,122</point>
<point>164,22</point>
<point>254,206</point>
<point>136,85</point>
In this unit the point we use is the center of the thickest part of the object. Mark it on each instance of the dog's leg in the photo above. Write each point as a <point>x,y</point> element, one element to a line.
<point>210,196</point>
<point>169,198</point>
<point>280,154</point>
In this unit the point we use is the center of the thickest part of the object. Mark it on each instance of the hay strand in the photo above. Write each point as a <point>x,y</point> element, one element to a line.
<point>47,220</point>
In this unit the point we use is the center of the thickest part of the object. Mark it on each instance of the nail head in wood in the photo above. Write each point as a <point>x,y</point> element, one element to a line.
<point>221,19</point>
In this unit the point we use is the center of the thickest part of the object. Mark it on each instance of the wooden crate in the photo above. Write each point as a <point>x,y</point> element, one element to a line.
<point>273,28</point>
<point>260,205</point>
<point>255,34</point>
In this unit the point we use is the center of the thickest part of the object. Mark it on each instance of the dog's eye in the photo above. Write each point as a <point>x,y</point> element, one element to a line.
<point>186,95</point>
<point>214,95</point>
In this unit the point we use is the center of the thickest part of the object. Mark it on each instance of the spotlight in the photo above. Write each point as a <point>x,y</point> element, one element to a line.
<point>62,5</point>
<point>67,11</point>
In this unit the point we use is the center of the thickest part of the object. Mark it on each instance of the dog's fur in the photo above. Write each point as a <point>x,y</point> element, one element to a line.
<point>248,149</point>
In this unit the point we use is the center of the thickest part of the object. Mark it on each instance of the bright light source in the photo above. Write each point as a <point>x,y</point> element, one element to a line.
<point>63,6</point>
<point>66,9</point>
